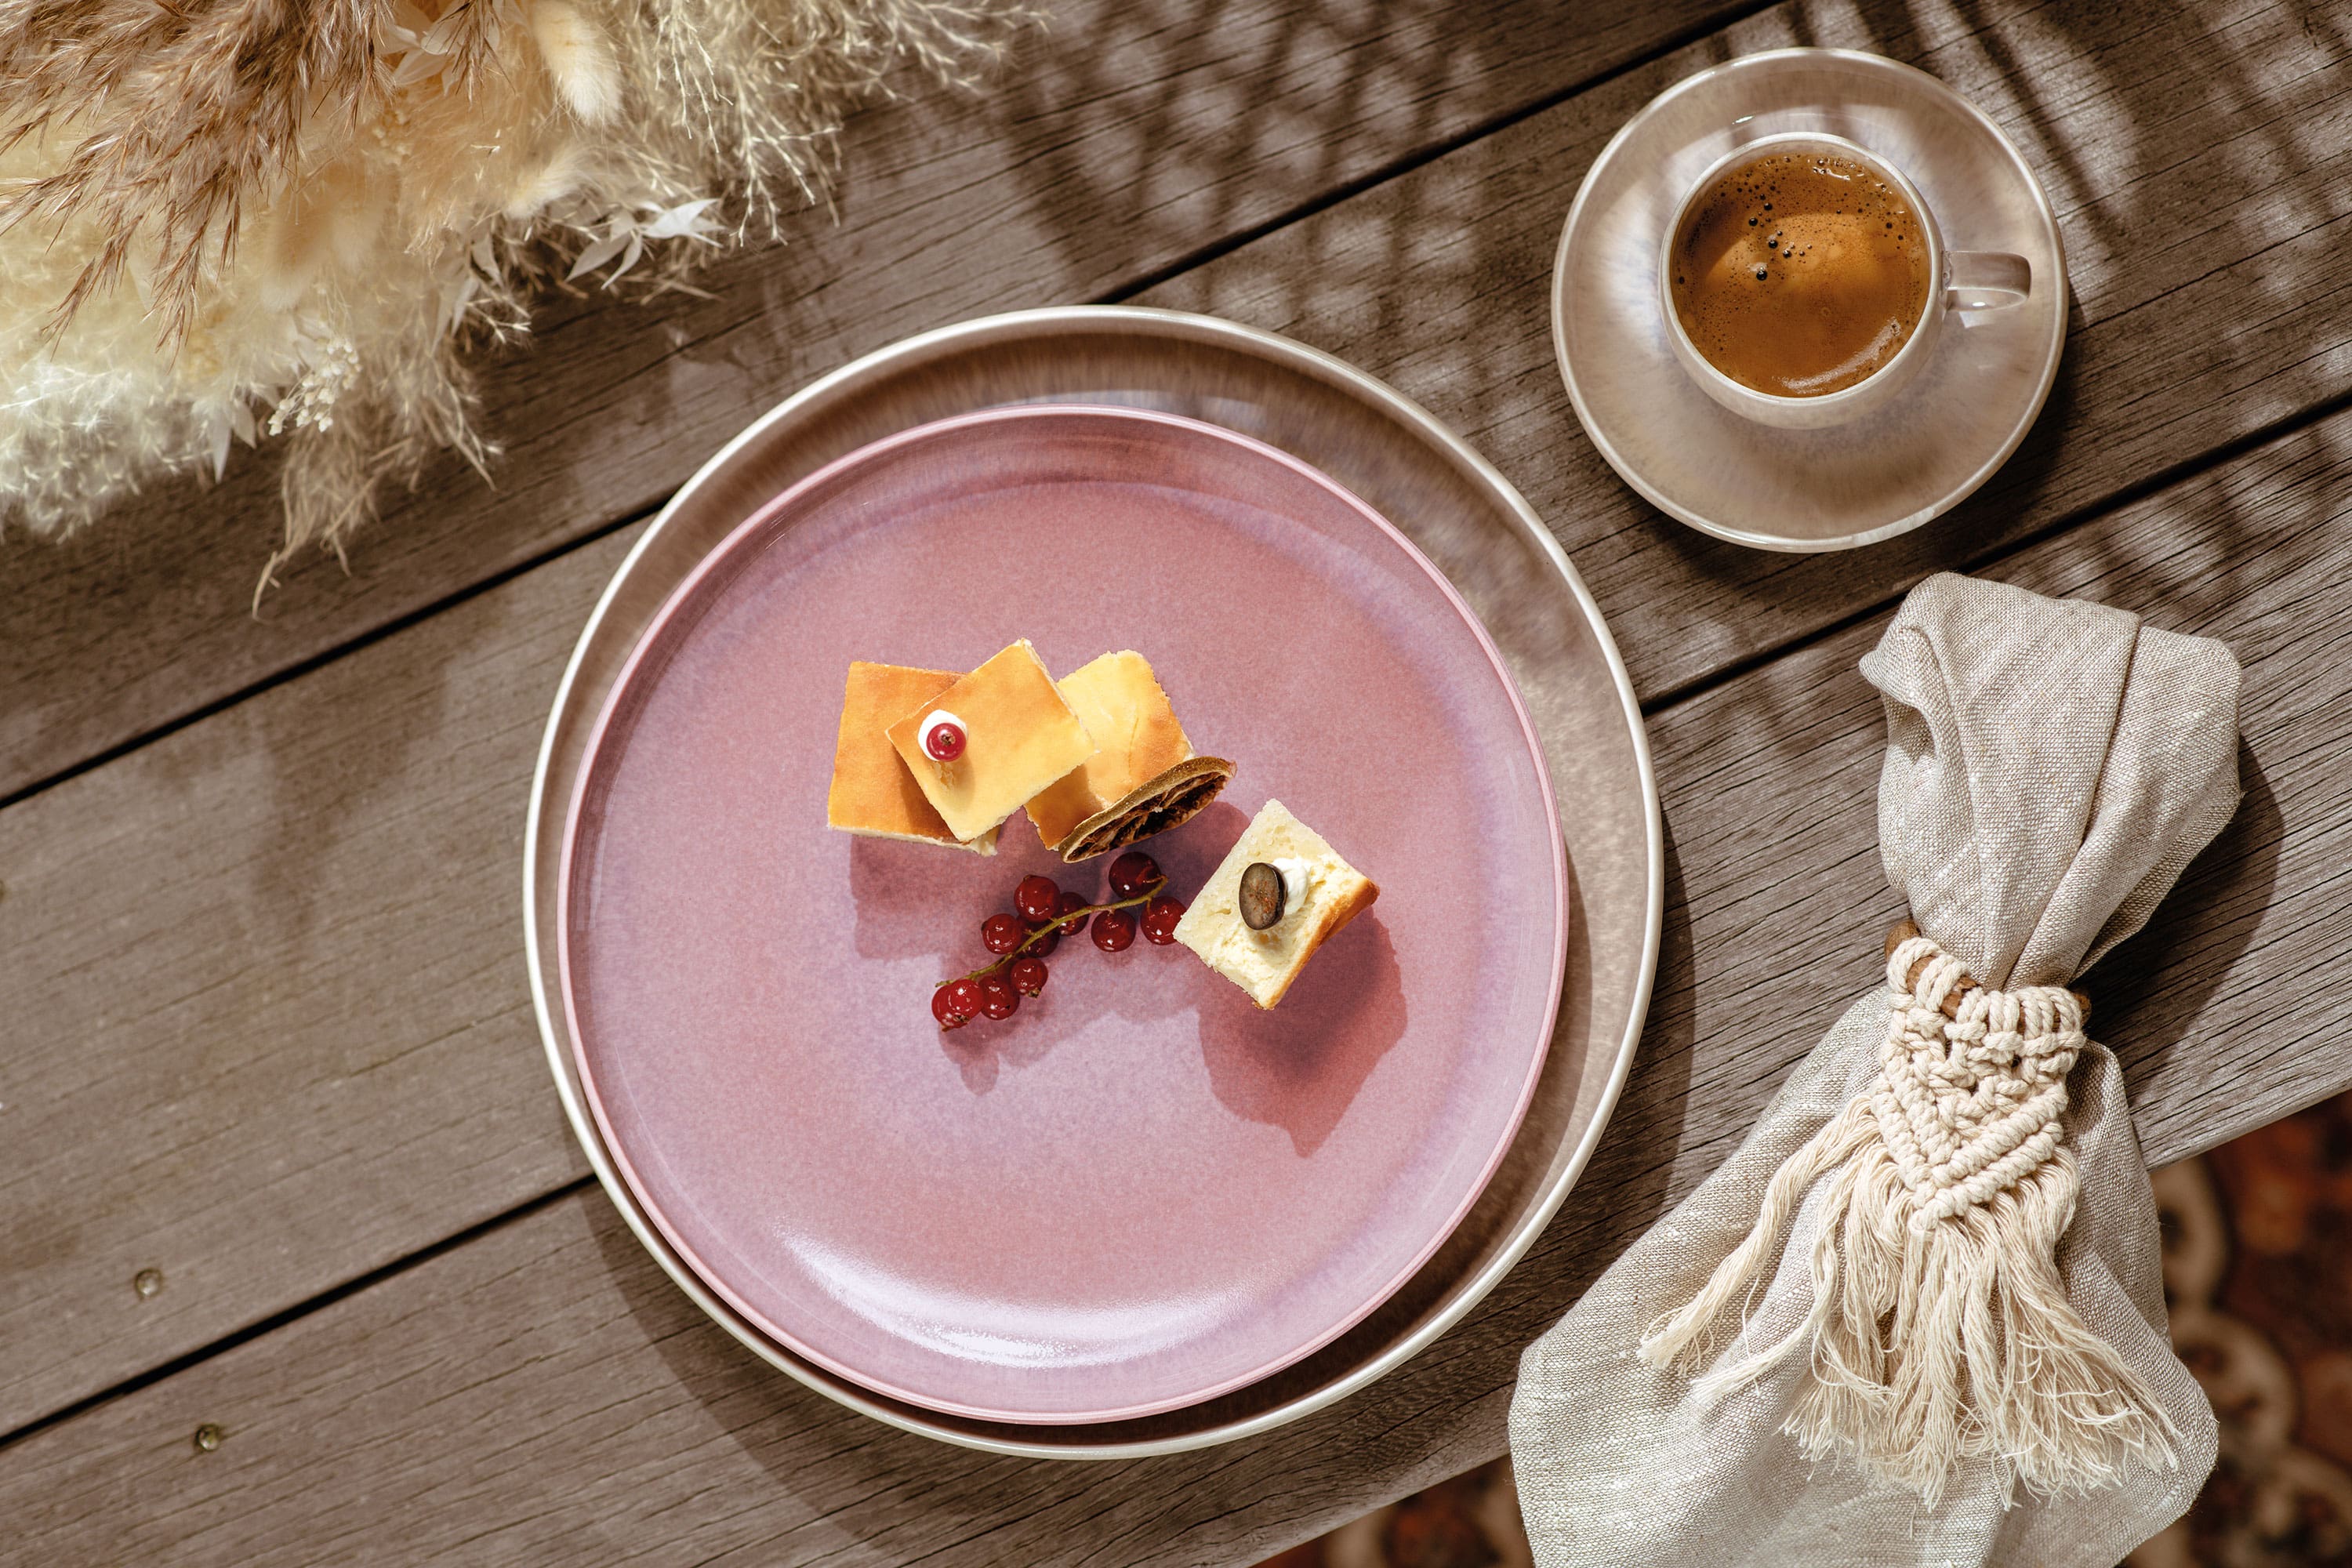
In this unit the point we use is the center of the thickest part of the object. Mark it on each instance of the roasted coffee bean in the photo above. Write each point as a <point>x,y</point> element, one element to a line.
<point>1261,895</point>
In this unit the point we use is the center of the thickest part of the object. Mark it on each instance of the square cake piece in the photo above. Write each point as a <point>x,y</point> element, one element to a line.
<point>873,792</point>
<point>1319,893</point>
<point>1019,737</point>
<point>1143,778</point>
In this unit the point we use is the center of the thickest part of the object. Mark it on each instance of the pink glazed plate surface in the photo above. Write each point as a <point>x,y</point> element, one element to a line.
<point>1140,1192</point>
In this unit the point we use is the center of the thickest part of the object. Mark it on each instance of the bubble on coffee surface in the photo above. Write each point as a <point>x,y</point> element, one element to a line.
<point>1800,274</point>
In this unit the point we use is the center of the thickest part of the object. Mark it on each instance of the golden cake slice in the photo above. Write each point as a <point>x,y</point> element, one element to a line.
<point>873,792</point>
<point>1280,894</point>
<point>1017,737</point>
<point>1143,777</point>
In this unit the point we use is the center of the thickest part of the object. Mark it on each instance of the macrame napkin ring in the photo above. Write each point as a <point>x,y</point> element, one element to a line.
<point>1940,1329</point>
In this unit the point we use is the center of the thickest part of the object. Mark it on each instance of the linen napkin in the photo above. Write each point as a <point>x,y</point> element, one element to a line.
<point>1918,1316</point>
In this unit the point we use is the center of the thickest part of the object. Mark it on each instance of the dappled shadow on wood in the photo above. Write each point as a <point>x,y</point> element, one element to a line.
<point>2196,159</point>
<point>1111,147</point>
<point>2148,994</point>
<point>2136,121</point>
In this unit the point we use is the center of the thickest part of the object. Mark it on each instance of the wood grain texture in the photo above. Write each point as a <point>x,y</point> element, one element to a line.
<point>2198,157</point>
<point>1130,135</point>
<point>584,1413</point>
<point>2200,161</point>
<point>541,1393</point>
<point>273,957</point>
<point>268,1027</point>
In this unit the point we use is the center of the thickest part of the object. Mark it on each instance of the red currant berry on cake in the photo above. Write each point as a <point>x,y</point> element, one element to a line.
<point>943,1009</point>
<point>1037,898</point>
<point>1044,942</point>
<point>1001,933</point>
<point>1071,904</point>
<point>997,997</point>
<point>943,736</point>
<point>963,997</point>
<point>1028,975</point>
<point>1159,917</point>
<point>1131,873</point>
<point>1114,931</point>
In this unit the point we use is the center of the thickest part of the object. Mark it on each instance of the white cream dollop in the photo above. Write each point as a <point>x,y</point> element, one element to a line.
<point>932,721</point>
<point>1298,881</point>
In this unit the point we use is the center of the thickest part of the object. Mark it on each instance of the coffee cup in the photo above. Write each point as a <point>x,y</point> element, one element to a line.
<point>1953,280</point>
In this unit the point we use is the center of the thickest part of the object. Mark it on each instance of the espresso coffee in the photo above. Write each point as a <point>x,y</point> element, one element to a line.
<point>1800,274</point>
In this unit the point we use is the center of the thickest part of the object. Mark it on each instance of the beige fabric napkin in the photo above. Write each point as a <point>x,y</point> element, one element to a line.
<point>2051,766</point>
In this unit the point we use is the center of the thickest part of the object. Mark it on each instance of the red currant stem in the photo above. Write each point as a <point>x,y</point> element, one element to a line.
<point>1056,923</point>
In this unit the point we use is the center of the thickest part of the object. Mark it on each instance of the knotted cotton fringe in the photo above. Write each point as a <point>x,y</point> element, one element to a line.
<point>1940,1330</point>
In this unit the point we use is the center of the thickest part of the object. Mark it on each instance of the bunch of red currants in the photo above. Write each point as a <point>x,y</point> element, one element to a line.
<point>1043,913</point>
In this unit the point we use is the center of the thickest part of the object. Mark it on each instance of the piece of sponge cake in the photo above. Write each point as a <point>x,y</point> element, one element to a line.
<point>1143,777</point>
<point>873,792</point>
<point>1321,894</point>
<point>1019,737</point>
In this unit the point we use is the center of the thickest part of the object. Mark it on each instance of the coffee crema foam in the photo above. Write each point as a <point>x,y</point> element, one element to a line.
<point>1800,274</point>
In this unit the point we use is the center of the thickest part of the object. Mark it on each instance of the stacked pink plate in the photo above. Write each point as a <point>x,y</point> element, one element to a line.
<point>1141,1215</point>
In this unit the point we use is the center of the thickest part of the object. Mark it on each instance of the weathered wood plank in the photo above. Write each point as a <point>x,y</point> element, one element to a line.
<point>1128,137</point>
<point>272,957</point>
<point>586,1413</point>
<point>2198,156</point>
<point>471,1399</point>
<point>2200,160</point>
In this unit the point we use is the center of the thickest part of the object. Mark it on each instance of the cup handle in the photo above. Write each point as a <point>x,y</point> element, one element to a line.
<point>1986,279</point>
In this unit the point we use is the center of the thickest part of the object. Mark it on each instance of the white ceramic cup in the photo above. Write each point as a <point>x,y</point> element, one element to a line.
<point>1957,280</point>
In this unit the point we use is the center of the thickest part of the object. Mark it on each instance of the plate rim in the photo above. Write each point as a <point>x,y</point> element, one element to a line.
<point>758,531</point>
<point>1041,324</point>
<point>1782,544</point>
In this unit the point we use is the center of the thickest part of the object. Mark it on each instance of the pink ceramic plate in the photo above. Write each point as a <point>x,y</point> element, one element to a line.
<point>1140,1192</point>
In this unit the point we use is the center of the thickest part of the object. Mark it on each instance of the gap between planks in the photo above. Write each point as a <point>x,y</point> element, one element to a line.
<point>2280,431</point>
<point>1115,146</point>
<point>2305,472</point>
<point>1634,89</point>
<point>2221,325</point>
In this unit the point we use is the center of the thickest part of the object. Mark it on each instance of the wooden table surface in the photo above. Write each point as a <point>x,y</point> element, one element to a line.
<point>267,1031</point>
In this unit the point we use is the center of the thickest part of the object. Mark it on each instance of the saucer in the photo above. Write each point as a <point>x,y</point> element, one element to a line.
<point>1880,475</point>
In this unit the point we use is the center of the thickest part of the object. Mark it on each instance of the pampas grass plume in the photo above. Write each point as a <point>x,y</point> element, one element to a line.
<point>286,219</point>
<point>580,59</point>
